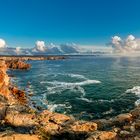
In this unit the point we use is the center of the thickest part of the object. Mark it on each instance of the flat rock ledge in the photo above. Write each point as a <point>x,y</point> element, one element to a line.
<point>19,121</point>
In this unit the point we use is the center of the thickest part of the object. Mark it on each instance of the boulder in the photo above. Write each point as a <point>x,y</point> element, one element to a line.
<point>107,135</point>
<point>20,119</point>
<point>137,125</point>
<point>122,118</point>
<point>135,112</point>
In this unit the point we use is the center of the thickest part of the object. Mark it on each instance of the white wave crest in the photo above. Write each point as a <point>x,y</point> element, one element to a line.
<point>83,83</point>
<point>58,87</point>
<point>76,76</point>
<point>135,90</point>
<point>108,112</point>
<point>85,99</point>
<point>55,107</point>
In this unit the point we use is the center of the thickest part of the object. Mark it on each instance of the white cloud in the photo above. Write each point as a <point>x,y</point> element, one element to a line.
<point>2,43</point>
<point>40,46</point>
<point>128,45</point>
<point>18,50</point>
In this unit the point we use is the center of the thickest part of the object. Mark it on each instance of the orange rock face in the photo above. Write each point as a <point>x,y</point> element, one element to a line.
<point>20,119</point>
<point>20,137</point>
<point>59,118</point>
<point>56,118</point>
<point>18,94</point>
<point>84,127</point>
<point>107,136</point>
<point>17,64</point>
<point>3,108</point>
<point>51,128</point>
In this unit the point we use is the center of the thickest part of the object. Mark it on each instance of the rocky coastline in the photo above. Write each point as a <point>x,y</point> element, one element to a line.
<point>19,121</point>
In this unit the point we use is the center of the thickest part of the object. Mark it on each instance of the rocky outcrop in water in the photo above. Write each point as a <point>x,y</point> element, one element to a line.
<point>25,58</point>
<point>20,121</point>
<point>17,64</point>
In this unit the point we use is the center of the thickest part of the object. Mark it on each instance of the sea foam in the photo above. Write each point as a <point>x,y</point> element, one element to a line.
<point>58,87</point>
<point>55,107</point>
<point>135,90</point>
<point>68,84</point>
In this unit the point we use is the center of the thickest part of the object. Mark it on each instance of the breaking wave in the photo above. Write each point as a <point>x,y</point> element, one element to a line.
<point>76,76</point>
<point>58,87</point>
<point>58,107</point>
<point>85,99</point>
<point>135,90</point>
<point>83,83</point>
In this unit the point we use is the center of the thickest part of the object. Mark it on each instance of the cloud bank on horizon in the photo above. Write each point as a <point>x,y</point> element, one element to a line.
<point>118,45</point>
<point>128,45</point>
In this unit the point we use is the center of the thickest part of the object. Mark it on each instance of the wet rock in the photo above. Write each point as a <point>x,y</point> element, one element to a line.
<point>84,126</point>
<point>136,112</point>
<point>125,134</point>
<point>103,123</point>
<point>137,124</point>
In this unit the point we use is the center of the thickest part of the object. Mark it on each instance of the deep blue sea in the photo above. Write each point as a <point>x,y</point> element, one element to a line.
<point>87,87</point>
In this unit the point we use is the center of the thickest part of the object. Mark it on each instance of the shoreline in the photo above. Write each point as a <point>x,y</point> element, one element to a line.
<point>15,112</point>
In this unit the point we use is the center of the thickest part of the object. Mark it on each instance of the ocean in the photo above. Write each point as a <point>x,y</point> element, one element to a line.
<point>86,87</point>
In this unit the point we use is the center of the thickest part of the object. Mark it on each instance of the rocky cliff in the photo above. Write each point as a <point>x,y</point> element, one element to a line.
<point>19,121</point>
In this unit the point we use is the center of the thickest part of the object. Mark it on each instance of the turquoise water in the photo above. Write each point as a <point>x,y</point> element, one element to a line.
<point>88,87</point>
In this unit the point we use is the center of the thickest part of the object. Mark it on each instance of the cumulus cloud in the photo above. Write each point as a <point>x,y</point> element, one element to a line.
<point>128,45</point>
<point>18,50</point>
<point>2,43</point>
<point>40,46</point>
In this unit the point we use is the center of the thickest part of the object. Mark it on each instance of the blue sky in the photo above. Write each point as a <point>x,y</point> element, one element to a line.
<point>89,22</point>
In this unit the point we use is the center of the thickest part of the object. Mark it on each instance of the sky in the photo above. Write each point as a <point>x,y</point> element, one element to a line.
<point>85,22</point>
